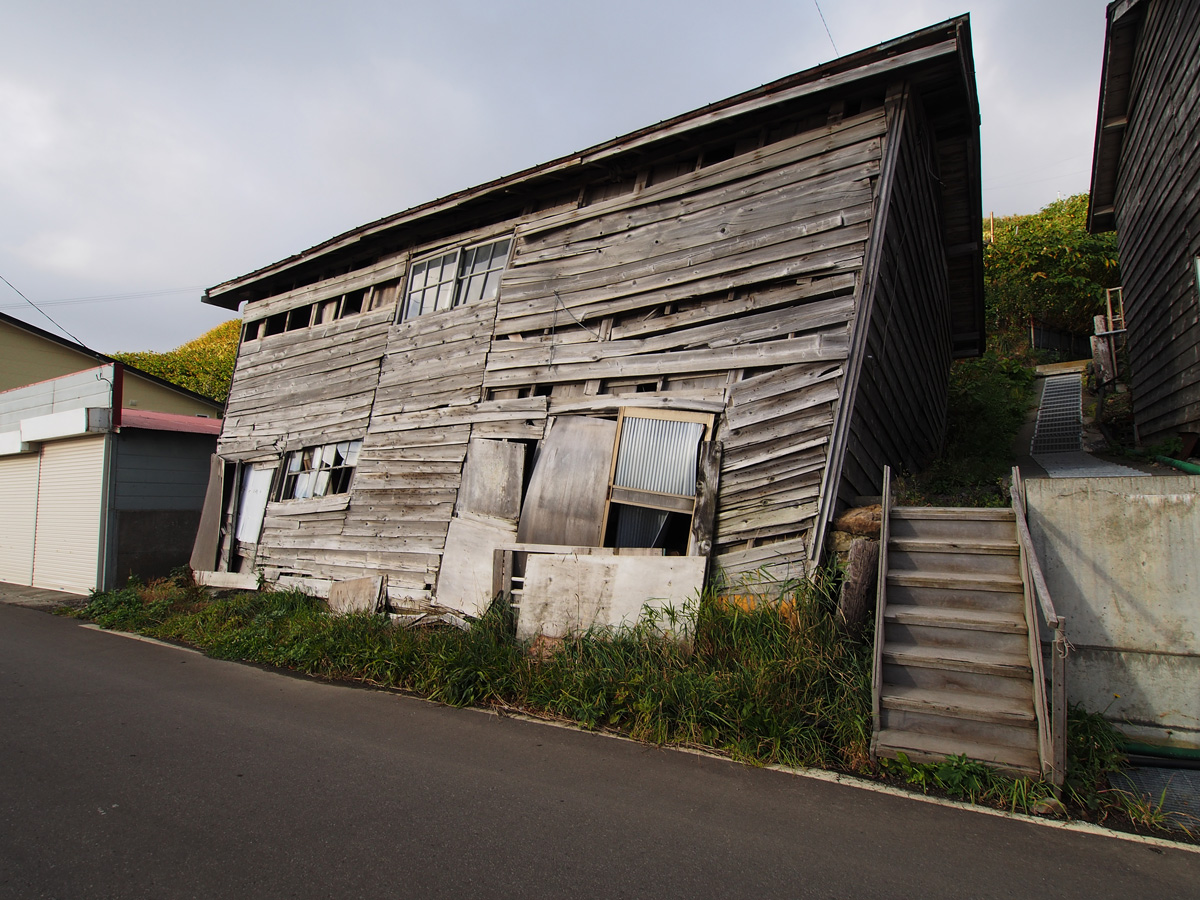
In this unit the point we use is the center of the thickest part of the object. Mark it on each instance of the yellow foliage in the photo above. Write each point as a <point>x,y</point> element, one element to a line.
<point>203,365</point>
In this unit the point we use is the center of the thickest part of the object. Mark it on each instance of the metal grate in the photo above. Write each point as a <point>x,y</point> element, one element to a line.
<point>1060,416</point>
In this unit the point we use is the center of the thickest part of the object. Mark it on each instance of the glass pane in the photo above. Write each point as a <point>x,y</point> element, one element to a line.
<point>639,527</point>
<point>470,259</point>
<point>500,253</point>
<point>417,281</point>
<point>294,461</point>
<point>491,285</point>
<point>472,289</point>
<point>321,484</point>
<point>445,294</point>
<point>342,449</point>
<point>352,454</point>
<point>303,486</point>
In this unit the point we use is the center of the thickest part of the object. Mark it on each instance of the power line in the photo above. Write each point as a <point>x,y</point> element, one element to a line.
<point>44,313</point>
<point>109,298</point>
<point>826,24</point>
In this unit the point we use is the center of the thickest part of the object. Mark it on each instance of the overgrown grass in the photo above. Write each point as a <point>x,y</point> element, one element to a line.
<point>775,683</point>
<point>762,686</point>
<point>988,400</point>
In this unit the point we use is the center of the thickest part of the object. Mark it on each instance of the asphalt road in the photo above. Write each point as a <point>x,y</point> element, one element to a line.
<point>132,770</point>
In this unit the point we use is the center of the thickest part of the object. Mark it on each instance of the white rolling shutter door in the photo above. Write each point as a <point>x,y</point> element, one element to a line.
<point>66,551</point>
<point>18,516</point>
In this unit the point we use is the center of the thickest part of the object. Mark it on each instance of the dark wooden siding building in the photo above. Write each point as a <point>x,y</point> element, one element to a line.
<point>1146,185</point>
<point>775,284</point>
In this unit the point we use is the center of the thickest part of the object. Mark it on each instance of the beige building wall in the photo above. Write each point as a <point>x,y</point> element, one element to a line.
<point>141,393</point>
<point>27,358</point>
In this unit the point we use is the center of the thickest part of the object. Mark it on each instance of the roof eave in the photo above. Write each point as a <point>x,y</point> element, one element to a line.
<point>1120,42</point>
<point>829,76</point>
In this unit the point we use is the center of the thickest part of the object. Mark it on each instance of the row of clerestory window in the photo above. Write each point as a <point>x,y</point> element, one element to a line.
<point>455,278</point>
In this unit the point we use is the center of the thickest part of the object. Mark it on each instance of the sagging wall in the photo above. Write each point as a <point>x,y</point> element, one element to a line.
<point>896,412</point>
<point>1120,560</point>
<point>725,288</point>
<point>1157,215</point>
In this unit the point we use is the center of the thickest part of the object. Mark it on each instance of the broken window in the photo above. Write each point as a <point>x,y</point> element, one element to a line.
<point>462,276</point>
<point>256,490</point>
<point>319,471</point>
<point>652,485</point>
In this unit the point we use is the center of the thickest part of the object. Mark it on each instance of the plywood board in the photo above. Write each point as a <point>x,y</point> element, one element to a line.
<point>356,595</point>
<point>566,594</point>
<point>465,578</point>
<point>492,477</point>
<point>565,500</point>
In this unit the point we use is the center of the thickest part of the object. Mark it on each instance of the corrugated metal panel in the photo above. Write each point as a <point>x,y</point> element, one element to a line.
<point>18,501</point>
<point>658,455</point>
<point>71,489</point>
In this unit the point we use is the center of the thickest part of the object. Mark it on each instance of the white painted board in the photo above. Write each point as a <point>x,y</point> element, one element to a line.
<point>465,577</point>
<point>566,594</point>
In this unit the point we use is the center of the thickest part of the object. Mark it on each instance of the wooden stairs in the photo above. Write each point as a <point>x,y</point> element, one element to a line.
<point>956,672</point>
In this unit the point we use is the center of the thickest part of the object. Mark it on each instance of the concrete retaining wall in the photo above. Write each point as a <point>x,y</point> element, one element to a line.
<point>1122,560</point>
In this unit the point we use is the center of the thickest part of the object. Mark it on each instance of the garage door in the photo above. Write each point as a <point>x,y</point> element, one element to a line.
<point>66,549</point>
<point>18,500</point>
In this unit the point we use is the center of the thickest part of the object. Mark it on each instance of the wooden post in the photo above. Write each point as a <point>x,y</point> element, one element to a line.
<point>502,571</point>
<point>708,481</point>
<point>1058,705</point>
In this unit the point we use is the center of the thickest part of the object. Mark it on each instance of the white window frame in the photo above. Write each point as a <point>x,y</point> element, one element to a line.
<point>322,470</point>
<point>454,286</point>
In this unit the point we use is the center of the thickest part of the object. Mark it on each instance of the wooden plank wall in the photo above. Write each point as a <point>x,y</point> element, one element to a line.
<point>726,289</point>
<point>729,289</point>
<point>897,415</point>
<point>1158,221</point>
<point>304,387</point>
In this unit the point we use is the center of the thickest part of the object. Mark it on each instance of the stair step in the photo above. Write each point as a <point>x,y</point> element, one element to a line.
<point>953,524</point>
<point>958,659</point>
<point>957,598</point>
<point>977,513</point>
<point>959,704</point>
<point>982,546</point>
<point>933,748</point>
<point>950,617</point>
<point>955,580</point>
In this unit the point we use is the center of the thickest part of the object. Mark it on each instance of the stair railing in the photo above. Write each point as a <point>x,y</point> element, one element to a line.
<point>1052,735</point>
<point>880,603</point>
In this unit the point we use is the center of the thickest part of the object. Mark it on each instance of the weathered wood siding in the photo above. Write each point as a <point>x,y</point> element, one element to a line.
<point>722,271</point>
<point>304,387</point>
<point>1158,220</point>
<point>897,413</point>
<point>727,290</point>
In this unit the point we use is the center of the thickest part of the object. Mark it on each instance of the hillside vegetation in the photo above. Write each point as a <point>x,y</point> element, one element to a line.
<point>203,365</point>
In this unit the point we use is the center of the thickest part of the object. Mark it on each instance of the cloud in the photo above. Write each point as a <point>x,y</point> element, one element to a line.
<point>150,146</point>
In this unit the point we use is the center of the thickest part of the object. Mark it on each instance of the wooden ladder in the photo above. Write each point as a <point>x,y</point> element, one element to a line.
<point>956,672</point>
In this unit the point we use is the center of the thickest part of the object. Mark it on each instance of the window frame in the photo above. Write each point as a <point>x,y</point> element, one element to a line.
<point>459,282</point>
<point>340,476</point>
<point>645,499</point>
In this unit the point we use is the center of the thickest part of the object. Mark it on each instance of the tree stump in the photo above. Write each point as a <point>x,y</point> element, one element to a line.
<point>855,602</point>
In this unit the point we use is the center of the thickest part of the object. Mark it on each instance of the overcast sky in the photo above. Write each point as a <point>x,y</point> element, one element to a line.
<point>151,149</point>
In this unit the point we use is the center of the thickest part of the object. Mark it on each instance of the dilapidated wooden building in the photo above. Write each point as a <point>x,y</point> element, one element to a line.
<point>1146,185</point>
<point>693,341</point>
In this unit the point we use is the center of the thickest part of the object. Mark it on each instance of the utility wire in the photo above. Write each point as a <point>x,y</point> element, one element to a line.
<point>826,24</point>
<point>109,298</point>
<point>44,313</point>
